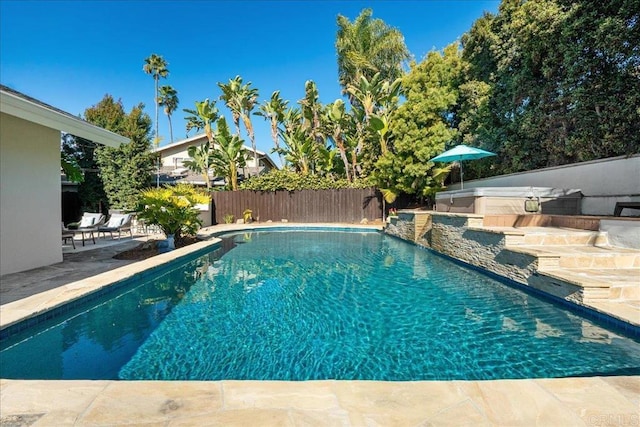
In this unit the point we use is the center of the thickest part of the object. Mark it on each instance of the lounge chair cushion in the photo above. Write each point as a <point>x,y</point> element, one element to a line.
<point>116,220</point>
<point>87,221</point>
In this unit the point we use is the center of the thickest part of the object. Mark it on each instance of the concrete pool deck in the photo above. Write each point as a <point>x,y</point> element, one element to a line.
<point>592,401</point>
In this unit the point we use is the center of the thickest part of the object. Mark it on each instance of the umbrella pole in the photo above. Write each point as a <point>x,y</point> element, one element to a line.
<point>461,177</point>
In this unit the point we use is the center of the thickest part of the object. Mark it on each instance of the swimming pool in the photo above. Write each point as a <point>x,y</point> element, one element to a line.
<point>301,305</point>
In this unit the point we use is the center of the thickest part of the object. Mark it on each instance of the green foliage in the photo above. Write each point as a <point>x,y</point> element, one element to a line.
<point>90,189</point>
<point>172,208</point>
<point>273,111</point>
<point>229,155</point>
<point>169,100</point>
<point>200,161</point>
<point>125,170</point>
<point>202,117</point>
<point>368,46</point>
<point>422,125</point>
<point>545,82</point>
<point>288,180</point>
<point>71,168</point>
<point>224,153</point>
<point>228,218</point>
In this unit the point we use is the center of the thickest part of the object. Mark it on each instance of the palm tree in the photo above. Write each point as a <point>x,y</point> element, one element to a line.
<point>273,110</point>
<point>156,66</point>
<point>230,154</point>
<point>241,100</point>
<point>169,100</point>
<point>366,47</point>
<point>202,117</point>
<point>249,97</point>
<point>337,121</point>
<point>231,95</point>
<point>378,99</point>
<point>311,112</point>
<point>300,150</point>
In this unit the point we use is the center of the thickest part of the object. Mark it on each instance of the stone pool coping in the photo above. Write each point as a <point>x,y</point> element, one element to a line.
<point>569,401</point>
<point>32,306</point>
<point>595,401</point>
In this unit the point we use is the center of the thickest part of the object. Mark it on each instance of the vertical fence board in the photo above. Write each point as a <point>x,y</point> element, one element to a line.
<point>346,205</point>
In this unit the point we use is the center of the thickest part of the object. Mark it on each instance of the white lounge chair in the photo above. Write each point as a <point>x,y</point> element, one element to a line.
<point>88,225</point>
<point>117,222</point>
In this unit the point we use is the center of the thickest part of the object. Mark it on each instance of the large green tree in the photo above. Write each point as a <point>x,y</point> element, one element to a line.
<point>126,170</point>
<point>423,125</point>
<point>546,82</point>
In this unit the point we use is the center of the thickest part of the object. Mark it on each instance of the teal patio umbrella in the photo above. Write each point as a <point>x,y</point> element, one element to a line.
<point>459,153</point>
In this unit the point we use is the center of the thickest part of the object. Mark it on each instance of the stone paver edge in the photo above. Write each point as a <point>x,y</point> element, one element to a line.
<point>15,311</point>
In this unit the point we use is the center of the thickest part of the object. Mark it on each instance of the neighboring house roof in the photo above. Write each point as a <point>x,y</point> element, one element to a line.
<point>22,106</point>
<point>200,139</point>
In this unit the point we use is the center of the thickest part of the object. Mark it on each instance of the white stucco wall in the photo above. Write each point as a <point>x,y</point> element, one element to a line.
<point>30,206</point>
<point>602,182</point>
<point>171,154</point>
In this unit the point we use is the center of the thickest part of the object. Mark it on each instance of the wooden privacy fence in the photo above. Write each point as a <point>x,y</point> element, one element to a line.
<point>345,205</point>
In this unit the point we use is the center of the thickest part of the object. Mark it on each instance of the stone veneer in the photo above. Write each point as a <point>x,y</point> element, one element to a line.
<point>453,235</point>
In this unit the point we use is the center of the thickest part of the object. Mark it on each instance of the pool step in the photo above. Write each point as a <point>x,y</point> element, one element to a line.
<point>578,265</point>
<point>594,285</point>
<point>581,257</point>
<point>567,238</point>
<point>547,236</point>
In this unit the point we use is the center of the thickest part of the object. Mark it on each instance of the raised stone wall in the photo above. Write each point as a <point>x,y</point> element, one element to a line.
<point>450,236</point>
<point>412,226</point>
<point>454,235</point>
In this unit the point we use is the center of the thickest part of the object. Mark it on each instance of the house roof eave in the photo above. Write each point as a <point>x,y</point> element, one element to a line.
<point>19,105</point>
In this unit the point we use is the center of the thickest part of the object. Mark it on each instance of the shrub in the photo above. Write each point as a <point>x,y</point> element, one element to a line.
<point>172,208</point>
<point>276,180</point>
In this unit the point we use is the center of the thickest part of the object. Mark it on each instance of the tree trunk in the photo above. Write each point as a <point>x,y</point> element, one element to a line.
<point>157,138</point>
<point>170,127</point>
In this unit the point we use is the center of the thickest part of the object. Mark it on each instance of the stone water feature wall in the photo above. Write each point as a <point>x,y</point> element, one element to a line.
<point>453,235</point>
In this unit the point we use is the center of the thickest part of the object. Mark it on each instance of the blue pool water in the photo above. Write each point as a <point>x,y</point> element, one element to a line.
<point>303,305</point>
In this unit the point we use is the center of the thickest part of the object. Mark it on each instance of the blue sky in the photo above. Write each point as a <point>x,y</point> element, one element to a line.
<point>70,53</point>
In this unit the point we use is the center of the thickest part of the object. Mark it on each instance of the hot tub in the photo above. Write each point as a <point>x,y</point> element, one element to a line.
<point>510,200</point>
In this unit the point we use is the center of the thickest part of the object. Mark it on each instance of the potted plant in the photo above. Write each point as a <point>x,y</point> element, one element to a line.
<point>173,209</point>
<point>247,216</point>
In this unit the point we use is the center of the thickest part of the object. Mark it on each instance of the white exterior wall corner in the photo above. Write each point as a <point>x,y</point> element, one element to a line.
<point>30,203</point>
